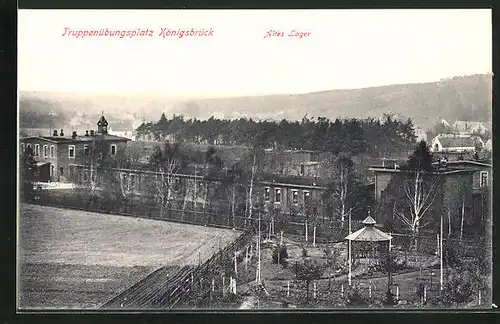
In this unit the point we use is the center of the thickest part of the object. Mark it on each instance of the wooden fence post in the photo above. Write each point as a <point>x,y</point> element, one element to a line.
<point>246,259</point>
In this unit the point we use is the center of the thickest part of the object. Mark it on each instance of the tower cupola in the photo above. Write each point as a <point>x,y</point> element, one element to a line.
<point>102,125</point>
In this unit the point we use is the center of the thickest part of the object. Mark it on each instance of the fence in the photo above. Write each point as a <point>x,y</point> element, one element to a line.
<point>430,244</point>
<point>207,276</point>
<point>183,288</point>
<point>191,213</point>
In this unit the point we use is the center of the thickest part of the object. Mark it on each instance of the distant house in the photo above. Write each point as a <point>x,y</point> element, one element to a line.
<point>123,130</point>
<point>453,144</point>
<point>470,127</point>
<point>292,162</point>
<point>445,123</point>
<point>488,145</point>
<point>488,126</point>
<point>420,134</point>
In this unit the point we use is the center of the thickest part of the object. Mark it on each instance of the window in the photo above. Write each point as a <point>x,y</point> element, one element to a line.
<point>436,147</point>
<point>113,149</point>
<point>85,176</point>
<point>28,146</point>
<point>277,195</point>
<point>295,196</point>
<point>86,150</point>
<point>37,149</point>
<point>52,170</point>
<point>22,148</point>
<point>52,151</point>
<point>71,151</point>
<point>483,179</point>
<point>132,180</point>
<point>45,151</point>
<point>307,197</point>
<point>302,169</point>
<point>61,170</point>
<point>267,192</point>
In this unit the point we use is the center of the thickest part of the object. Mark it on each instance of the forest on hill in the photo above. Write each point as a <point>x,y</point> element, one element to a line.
<point>458,98</point>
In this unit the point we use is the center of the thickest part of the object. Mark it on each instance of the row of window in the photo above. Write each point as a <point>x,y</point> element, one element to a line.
<point>71,150</point>
<point>306,195</point>
<point>46,151</point>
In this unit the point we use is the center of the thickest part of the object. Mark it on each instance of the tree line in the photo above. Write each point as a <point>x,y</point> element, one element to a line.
<point>372,136</point>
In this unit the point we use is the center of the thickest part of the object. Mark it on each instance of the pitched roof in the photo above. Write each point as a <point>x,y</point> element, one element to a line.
<point>467,162</point>
<point>368,234</point>
<point>457,142</point>
<point>124,127</point>
<point>69,139</point>
<point>369,221</point>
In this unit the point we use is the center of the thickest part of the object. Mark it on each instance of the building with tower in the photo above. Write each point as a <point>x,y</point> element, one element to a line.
<point>54,154</point>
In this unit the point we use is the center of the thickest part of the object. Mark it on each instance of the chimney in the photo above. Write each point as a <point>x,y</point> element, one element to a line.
<point>54,133</point>
<point>91,132</point>
<point>62,133</point>
<point>73,136</point>
<point>86,133</point>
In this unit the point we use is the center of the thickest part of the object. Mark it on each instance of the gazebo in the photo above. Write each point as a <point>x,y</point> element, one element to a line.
<point>369,234</point>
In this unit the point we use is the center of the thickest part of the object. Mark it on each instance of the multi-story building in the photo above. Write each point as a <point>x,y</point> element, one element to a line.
<point>453,190</point>
<point>54,154</point>
<point>293,194</point>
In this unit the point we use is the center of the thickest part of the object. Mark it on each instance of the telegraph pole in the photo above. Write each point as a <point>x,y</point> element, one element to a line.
<point>441,254</point>
<point>350,256</point>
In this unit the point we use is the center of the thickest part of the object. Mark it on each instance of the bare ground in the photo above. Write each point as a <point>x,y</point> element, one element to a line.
<point>75,259</point>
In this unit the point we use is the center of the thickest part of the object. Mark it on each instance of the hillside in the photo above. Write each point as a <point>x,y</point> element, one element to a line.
<point>463,98</point>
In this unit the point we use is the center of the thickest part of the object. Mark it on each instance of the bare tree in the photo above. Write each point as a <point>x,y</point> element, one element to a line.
<point>234,186</point>
<point>420,191</point>
<point>121,180</point>
<point>343,187</point>
<point>167,163</point>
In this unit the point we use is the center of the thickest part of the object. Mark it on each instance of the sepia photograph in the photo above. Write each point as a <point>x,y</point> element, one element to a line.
<point>253,160</point>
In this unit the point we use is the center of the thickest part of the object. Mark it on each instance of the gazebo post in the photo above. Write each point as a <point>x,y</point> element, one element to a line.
<point>369,233</point>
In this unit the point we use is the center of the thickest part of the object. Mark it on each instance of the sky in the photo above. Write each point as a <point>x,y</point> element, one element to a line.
<point>345,49</point>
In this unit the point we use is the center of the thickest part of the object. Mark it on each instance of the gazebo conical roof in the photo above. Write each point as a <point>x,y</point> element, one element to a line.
<point>369,233</point>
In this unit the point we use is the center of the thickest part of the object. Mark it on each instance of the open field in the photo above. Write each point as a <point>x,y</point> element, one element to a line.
<point>76,259</point>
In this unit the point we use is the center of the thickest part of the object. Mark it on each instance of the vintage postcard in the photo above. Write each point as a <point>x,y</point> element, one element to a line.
<point>254,159</point>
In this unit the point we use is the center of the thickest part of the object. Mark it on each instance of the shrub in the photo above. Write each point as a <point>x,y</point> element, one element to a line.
<point>355,299</point>
<point>390,299</point>
<point>240,257</point>
<point>306,272</point>
<point>457,291</point>
<point>280,250</point>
